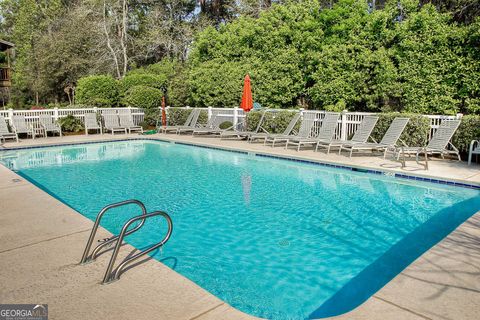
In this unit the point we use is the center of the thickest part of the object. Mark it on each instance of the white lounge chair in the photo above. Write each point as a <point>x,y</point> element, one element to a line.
<point>126,121</point>
<point>212,126</point>
<point>305,130</point>
<point>326,132</point>
<point>235,133</point>
<point>388,142</point>
<point>193,124</point>
<point>264,136</point>
<point>111,123</point>
<point>4,132</point>
<point>437,145</point>
<point>91,123</point>
<point>194,113</point>
<point>46,121</point>
<point>19,125</point>
<point>362,134</point>
<point>474,149</point>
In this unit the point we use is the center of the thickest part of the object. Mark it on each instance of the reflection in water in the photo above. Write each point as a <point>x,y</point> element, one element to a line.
<point>246,187</point>
<point>34,158</point>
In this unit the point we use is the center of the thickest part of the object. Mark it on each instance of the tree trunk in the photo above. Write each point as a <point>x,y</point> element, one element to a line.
<point>109,45</point>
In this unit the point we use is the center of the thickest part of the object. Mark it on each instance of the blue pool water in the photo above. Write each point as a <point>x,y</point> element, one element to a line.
<point>274,238</point>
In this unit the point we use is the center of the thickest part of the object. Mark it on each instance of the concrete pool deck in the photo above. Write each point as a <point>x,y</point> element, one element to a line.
<point>41,241</point>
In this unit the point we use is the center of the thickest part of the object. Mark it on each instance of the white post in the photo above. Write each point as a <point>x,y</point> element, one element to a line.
<point>209,112</point>
<point>459,115</point>
<point>55,113</point>
<point>235,116</point>
<point>301,112</point>
<point>10,116</point>
<point>343,131</point>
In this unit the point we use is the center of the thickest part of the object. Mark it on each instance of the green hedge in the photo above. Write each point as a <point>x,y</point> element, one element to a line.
<point>149,99</point>
<point>141,79</point>
<point>143,97</point>
<point>98,91</point>
<point>407,57</point>
<point>469,130</point>
<point>415,134</point>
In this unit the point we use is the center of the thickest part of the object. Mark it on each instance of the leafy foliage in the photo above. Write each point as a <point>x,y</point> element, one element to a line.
<point>404,57</point>
<point>468,130</point>
<point>141,79</point>
<point>143,97</point>
<point>99,91</point>
<point>71,124</point>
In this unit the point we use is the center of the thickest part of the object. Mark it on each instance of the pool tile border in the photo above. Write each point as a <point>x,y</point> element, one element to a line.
<point>266,155</point>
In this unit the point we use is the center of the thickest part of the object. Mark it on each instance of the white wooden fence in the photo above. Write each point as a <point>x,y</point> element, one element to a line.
<point>347,125</point>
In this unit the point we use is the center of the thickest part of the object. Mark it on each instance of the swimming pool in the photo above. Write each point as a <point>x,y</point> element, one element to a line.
<point>274,238</point>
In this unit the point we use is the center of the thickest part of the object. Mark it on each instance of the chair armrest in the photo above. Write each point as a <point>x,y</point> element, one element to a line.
<point>474,145</point>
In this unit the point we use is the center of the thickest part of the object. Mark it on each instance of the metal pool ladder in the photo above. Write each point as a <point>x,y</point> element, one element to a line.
<point>114,274</point>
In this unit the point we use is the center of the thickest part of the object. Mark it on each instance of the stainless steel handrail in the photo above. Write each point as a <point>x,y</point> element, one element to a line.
<point>88,258</point>
<point>115,275</point>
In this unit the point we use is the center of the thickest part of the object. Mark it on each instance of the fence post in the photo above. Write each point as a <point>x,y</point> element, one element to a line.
<point>209,113</point>
<point>459,115</point>
<point>235,116</point>
<point>10,116</point>
<point>343,127</point>
<point>55,113</point>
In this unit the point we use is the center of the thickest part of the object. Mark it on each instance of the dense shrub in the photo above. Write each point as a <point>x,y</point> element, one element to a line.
<point>217,84</point>
<point>169,74</point>
<point>143,97</point>
<point>98,91</point>
<point>415,134</point>
<point>226,125</point>
<point>147,98</point>
<point>71,124</point>
<point>406,57</point>
<point>141,79</point>
<point>468,130</point>
<point>152,116</point>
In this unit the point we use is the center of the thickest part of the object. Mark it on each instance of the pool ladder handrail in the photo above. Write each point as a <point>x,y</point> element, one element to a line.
<point>86,257</point>
<point>112,275</point>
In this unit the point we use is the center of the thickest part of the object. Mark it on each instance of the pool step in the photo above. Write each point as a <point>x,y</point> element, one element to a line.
<point>114,274</point>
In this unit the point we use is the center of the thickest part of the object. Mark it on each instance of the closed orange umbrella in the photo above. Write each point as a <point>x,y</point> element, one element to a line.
<point>164,114</point>
<point>247,100</point>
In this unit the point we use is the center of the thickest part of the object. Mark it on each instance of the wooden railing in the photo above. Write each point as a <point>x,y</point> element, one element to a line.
<point>5,77</point>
